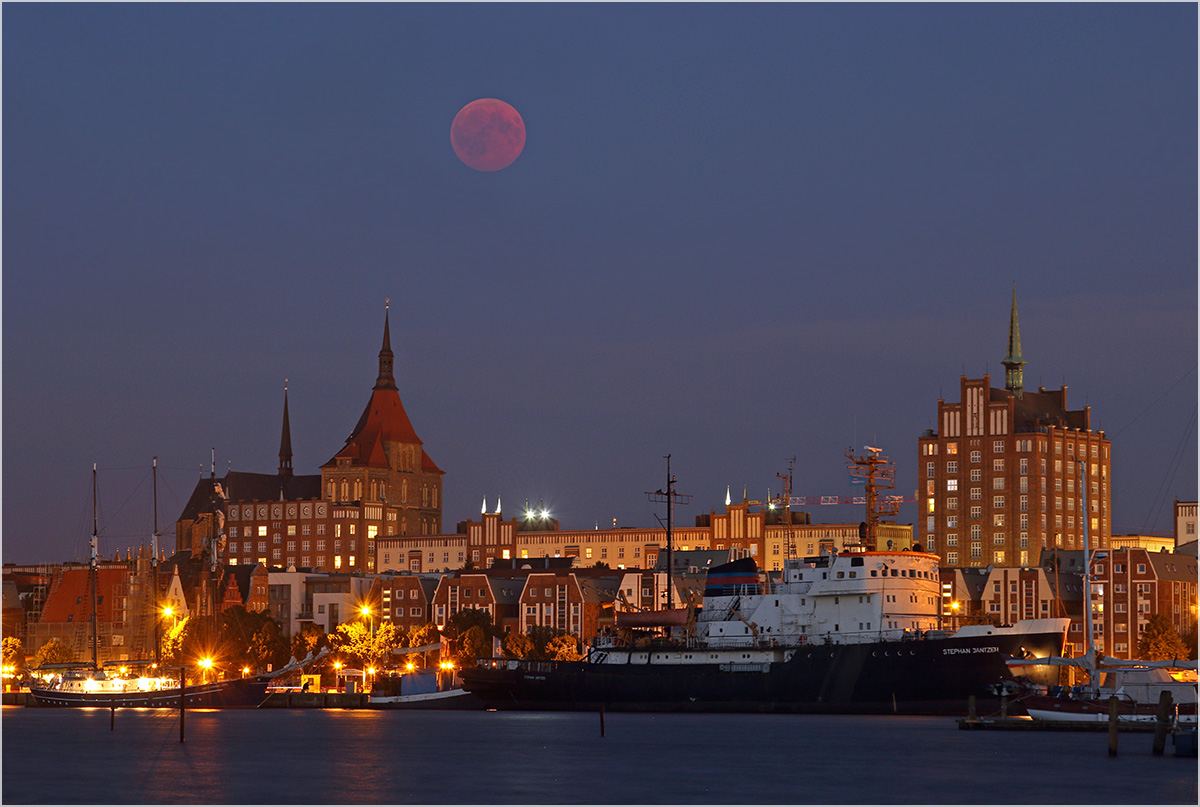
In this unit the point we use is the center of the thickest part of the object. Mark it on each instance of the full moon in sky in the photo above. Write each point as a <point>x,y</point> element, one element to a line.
<point>487,134</point>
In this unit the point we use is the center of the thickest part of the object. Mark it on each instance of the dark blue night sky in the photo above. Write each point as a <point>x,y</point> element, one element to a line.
<point>736,234</point>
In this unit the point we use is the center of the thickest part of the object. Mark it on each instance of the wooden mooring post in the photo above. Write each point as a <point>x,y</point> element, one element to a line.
<point>182,709</point>
<point>112,718</point>
<point>1113,709</point>
<point>970,707</point>
<point>602,720</point>
<point>1162,721</point>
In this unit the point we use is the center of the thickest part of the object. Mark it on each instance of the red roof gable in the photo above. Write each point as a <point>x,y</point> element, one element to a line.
<point>383,421</point>
<point>71,600</point>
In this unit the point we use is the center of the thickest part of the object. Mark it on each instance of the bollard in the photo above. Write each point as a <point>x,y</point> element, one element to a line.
<point>1003,705</point>
<point>1161,723</point>
<point>602,720</point>
<point>1113,708</point>
<point>112,718</point>
<point>182,687</point>
<point>970,707</point>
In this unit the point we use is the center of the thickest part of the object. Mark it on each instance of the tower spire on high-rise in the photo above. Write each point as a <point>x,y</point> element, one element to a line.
<point>285,441</point>
<point>1013,363</point>
<point>386,379</point>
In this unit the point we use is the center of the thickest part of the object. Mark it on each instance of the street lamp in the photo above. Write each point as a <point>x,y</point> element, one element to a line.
<point>365,612</point>
<point>205,665</point>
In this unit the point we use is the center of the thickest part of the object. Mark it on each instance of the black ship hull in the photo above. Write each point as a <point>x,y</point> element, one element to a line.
<point>923,676</point>
<point>236,693</point>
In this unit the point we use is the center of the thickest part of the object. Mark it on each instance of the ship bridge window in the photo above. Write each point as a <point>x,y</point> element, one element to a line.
<point>840,575</point>
<point>856,561</point>
<point>853,574</point>
<point>874,573</point>
<point>895,573</point>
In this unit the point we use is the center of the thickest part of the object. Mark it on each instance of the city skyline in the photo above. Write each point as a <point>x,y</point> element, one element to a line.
<point>735,235</point>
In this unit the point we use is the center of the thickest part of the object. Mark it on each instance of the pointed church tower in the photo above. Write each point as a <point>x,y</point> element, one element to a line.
<point>285,441</point>
<point>384,461</point>
<point>386,379</point>
<point>1013,374</point>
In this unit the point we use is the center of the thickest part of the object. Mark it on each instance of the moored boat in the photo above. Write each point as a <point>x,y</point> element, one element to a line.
<point>429,688</point>
<point>856,632</point>
<point>100,690</point>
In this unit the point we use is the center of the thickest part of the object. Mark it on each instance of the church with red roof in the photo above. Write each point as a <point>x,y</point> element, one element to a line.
<point>380,483</point>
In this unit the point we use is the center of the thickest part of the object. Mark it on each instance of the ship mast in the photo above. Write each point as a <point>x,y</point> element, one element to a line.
<point>92,575</point>
<point>1090,652</point>
<point>154,571</point>
<point>875,473</point>
<point>670,497</point>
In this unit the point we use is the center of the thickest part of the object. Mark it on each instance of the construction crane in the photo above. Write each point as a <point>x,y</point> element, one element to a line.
<point>875,472</point>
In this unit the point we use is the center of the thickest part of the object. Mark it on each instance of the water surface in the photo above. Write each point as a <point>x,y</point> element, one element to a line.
<point>315,756</point>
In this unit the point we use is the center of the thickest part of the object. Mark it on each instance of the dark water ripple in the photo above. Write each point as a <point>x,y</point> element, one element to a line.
<point>363,757</point>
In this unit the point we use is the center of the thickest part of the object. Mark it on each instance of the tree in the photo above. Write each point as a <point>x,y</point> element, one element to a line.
<point>462,621</point>
<point>309,639</point>
<point>14,655</point>
<point>426,634</point>
<point>1188,637</point>
<point>1160,641</point>
<point>181,643</point>
<point>353,639</point>
<point>539,637</point>
<point>516,645</point>
<point>387,637</point>
<point>269,647</point>
<point>476,643</point>
<point>53,652</point>
<point>563,647</point>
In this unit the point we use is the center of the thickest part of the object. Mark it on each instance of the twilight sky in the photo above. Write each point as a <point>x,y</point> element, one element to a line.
<point>736,234</point>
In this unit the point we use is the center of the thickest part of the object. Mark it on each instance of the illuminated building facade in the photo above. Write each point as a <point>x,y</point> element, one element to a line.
<point>741,529</point>
<point>1000,479</point>
<point>381,482</point>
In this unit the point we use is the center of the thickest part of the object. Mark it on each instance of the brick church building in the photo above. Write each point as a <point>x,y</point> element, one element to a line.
<point>380,483</point>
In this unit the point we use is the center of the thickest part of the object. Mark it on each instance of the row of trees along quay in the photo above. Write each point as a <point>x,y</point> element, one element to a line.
<point>249,642</point>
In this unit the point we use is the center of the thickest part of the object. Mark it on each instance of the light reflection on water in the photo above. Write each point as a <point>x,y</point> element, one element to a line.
<point>360,756</point>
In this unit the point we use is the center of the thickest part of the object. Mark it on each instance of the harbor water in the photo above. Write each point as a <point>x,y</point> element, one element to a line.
<point>331,756</point>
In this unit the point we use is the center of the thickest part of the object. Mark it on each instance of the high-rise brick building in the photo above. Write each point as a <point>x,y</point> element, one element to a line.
<point>1000,478</point>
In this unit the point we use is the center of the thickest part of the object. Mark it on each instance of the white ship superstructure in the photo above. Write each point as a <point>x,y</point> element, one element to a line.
<point>844,599</point>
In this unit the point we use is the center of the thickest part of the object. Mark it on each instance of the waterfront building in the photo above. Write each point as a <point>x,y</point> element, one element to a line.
<point>331,599</point>
<point>1185,522</point>
<point>999,477</point>
<point>1151,543</point>
<point>744,529</point>
<point>380,483</point>
<point>124,626</point>
<point>1130,585</point>
<point>406,599</point>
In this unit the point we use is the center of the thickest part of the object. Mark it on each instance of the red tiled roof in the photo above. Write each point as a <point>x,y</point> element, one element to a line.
<point>71,600</point>
<point>383,421</point>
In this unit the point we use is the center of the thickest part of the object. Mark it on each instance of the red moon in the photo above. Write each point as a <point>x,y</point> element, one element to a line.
<point>487,134</point>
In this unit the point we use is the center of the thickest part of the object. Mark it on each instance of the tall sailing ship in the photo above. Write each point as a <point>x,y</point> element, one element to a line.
<point>113,685</point>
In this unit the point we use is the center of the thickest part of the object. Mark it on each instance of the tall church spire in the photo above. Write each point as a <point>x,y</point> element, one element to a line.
<point>285,442</point>
<point>1013,374</point>
<point>386,380</point>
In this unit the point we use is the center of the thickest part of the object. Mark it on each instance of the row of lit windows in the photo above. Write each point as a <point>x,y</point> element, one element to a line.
<point>305,560</point>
